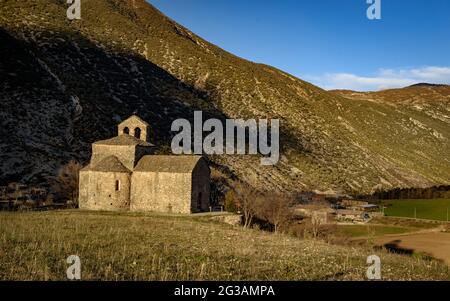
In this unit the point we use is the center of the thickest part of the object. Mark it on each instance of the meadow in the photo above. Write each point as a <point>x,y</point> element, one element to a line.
<point>369,230</point>
<point>433,209</point>
<point>133,246</point>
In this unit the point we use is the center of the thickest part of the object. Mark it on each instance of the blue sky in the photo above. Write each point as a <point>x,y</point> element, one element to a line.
<point>330,43</point>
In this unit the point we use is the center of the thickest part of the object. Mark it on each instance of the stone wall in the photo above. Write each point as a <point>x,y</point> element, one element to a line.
<point>129,155</point>
<point>83,193</point>
<point>133,125</point>
<point>109,191</point>
<point>161,192</point>
<point>125,153</point>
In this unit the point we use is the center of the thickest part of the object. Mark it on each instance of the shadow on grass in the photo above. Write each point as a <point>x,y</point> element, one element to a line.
<point>395,248</point>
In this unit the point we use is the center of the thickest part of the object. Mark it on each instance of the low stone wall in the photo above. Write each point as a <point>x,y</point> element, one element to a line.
<point>232,219</point>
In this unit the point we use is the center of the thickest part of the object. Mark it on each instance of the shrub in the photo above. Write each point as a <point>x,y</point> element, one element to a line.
<point>307,229</point>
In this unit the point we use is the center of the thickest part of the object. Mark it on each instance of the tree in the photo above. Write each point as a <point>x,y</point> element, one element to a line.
<point>276,209</point>
<point>219,189</point>
<point>66,186</point>
<point>230,201</point>
<point>248,200</point>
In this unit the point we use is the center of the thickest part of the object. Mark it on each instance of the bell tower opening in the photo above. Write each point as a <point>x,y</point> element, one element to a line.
<point>137,133</point>
<point>135,127</point>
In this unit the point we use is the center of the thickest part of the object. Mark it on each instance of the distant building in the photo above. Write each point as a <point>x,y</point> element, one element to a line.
<point>369,208</point>
<point>352,203</point>
<point>351,216</point>
<point>357,205</point>
<point>124,175</point>
<point>318,214</point>
<point>319,218</point>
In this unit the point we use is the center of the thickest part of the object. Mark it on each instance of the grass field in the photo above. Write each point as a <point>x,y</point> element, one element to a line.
<point>435,209</point>
<point>368,230</point>
<point>127,246</point>
<point>419,224</point>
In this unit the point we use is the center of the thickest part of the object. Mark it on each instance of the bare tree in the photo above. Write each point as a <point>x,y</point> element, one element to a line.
<point>276,209</point>
<point>66,185</point>
<point>248,200</point>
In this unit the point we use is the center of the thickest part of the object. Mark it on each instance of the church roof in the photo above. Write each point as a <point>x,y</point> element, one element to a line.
<point>136,119</point>
<point>172,164</point>
<point>124,140</point>
<point>108,164</point>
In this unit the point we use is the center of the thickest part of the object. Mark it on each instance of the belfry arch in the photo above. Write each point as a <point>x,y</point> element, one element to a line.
<point>136,127</point>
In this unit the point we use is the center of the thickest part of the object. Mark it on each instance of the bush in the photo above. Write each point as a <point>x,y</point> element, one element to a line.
<point>328,233</point>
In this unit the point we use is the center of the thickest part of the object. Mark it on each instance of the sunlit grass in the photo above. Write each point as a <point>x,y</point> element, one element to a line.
<point>372,230</point>
<point>433,209</point>
<point>111,246</point>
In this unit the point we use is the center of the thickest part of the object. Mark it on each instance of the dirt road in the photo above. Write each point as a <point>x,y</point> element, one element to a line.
<point>435,244</point>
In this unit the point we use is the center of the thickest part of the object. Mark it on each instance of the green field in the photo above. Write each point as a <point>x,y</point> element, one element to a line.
<point>372,230</point>
<point>133,246</point>
<point>434,209</point>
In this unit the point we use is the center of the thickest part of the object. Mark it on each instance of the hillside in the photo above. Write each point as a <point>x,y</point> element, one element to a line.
<point>65,84</point>
<point>34,246</point>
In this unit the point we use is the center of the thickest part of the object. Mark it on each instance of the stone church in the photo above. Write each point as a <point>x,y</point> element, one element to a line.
<point>124,175</point>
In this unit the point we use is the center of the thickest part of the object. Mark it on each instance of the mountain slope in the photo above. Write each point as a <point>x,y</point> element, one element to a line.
<point>125,56</point>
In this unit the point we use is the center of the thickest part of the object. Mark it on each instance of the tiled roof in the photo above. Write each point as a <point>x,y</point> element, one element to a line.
<point>108,164</point>
<point>123,140</point>
<point>173,164</point>
<point>135,118</point>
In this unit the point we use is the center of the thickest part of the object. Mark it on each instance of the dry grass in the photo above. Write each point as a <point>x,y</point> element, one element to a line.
<point>126,246</point>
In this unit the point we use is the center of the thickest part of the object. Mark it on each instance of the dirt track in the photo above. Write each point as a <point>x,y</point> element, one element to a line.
<point>436,244</point>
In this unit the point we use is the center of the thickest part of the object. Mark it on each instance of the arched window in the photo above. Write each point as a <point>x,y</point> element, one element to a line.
<point>117,185</point>
<point>137,133</point>
<point>126,131</point>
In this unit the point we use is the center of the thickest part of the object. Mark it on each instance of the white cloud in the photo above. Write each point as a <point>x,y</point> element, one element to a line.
<point>384,79</point>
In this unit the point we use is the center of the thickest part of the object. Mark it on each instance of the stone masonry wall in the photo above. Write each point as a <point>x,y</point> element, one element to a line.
<point>161,192</point>
<point>125,153</point>
<point>98,191</point>
<point>132,125</point>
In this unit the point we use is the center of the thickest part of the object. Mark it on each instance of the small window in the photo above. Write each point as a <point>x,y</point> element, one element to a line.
<point>126,131</point>
<point>117,185</point>
<point>137,133</point>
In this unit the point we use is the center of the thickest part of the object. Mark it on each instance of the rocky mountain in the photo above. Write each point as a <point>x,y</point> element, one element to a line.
<point>65,84</point>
